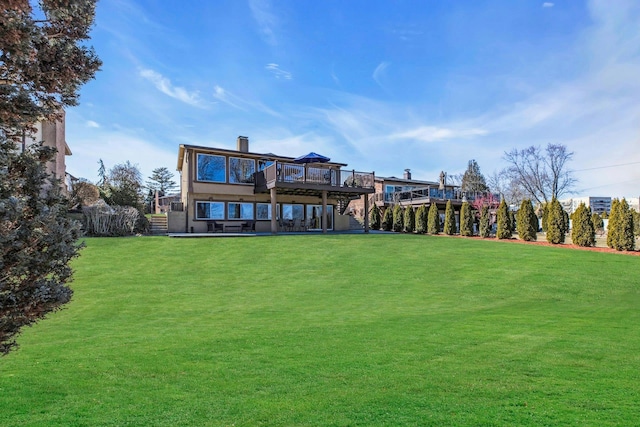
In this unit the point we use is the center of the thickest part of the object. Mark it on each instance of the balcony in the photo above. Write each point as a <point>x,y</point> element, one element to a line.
<point>313,179</point>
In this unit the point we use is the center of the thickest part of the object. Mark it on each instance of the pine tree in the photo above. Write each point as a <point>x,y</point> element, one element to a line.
<point>421,219</point>
<point>598,222</point>
<point>545,215</point>
<point>433,223</point>
<point>582,232</point>
<point>409,220</point>
<point>387,221</point>
<point>512,221</point>
<point>161,179</point>
<point>555,223</point>
<point>485,226</point>
<point>565,221</point>
<point>449,220</point>
<point>374,218</point>
<point>612,226</point>
<point>466,220</point>
<point>504,226</point>
<point>398,218</point>
<point>524,221</point>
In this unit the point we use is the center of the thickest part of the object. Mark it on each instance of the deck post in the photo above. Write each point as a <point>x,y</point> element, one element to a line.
<point>324,211</point>
<point>366,213</point>
<point>274,213</point>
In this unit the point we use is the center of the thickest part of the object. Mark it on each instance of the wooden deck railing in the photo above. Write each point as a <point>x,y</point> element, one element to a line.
<point>306,174</point>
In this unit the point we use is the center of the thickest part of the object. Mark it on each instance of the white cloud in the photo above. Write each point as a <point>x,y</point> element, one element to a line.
<point>278,72</point>
<point>379,73</point>
<point>547,4</point>
<point>266,20</point>
<point>434,134</point>
<point>164,85</point>
<point>92,124</point>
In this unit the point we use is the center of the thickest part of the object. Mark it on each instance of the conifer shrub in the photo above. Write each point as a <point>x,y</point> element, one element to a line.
<point>485,222</point>
<point>582,232</point>
<point>598,223</point>
<point>565,221</point>
<point>620,234</point>
<point>526,228</point>
<point>374,218</point>
<point>555,223</point>
<point>387,219</point>
<point>612,227</point>
<point>398,218</point>
<point>504,226</point>
<point>433,221</point>
<point>466,220</point>
<point>545,215</point>
<point>449,220</point>
<point>636,223</point>
<point>512,221</point>
<point>409,220</point>
<point>421,219</point>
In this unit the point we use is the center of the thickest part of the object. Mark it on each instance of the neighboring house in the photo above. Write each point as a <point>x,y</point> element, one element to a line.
<point>230,190</point>
<point>598,204</point>
<point>52,134</point>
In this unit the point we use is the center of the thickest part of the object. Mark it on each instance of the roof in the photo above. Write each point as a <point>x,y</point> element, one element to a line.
<point>269,156</point>
<point>407,181</point>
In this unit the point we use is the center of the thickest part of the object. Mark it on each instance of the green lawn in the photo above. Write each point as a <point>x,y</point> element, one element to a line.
<point>337,330</point>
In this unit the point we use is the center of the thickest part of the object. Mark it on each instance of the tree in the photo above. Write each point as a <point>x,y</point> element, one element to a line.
<point>598,222</point>
<point>527,222</point>
<point>449,220</point>
<point>409,220</point>
<point>512,221</point>
<point>542,176</point>
<point>421,219</point>
<point>124,185</point>
<point>472,180</point>
<point>583,233</point>
<point>485,226</point>
<point>43,60</point>
<point>43,64</point>
<point>466,220</point>
<point>433,220</point>
<point>636,222</point>
<point>374,217</point>
<point>161,180</point>
<point>504,226</point>
<point>620,233</point>
<point>398,218</point>
<point>387,221</point>
<point>555,223</point>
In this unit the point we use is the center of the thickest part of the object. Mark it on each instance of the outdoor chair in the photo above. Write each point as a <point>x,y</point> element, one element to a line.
<point>248,226</point>
<point>214,227</point>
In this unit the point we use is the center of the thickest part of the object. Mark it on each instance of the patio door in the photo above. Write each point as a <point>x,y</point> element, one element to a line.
<point>314,216</point>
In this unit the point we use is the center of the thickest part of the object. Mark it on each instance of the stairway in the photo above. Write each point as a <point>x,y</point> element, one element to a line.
<point>354,224</point>
<point>158,225</point>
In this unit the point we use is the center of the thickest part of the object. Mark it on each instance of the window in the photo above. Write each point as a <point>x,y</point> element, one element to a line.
<point>314,217</point>
<point>239,210</point>
<point>209,210</point>
<point>263,164</point>
<point>263,211</point>
<point>293,211</point>
<point>241,170</point>
<point>211,168</point>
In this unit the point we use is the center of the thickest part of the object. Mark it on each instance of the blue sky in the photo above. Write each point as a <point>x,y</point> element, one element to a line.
<point>380,85</point>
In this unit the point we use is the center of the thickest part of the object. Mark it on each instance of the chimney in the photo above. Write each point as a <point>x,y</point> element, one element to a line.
<point>407,174</point>
<point>243,144</point>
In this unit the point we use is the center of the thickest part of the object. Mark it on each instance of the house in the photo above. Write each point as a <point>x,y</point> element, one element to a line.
<point>52,134</point>
<point>230,190</point>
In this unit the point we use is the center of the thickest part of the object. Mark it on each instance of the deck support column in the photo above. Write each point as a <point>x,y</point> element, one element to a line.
<point>324,211</point>
<point>366,213</point>
<point>274,213</point>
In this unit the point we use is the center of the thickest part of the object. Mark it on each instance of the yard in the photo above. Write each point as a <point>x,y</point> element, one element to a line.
<point>333,330</point>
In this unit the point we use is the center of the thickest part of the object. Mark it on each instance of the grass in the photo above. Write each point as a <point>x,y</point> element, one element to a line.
<point>333,330</point>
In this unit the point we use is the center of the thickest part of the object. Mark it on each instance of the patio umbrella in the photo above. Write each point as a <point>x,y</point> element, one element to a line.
<point>311,158</point>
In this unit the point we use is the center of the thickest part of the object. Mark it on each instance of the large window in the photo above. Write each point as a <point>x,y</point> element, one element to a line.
<point>211,168</point>
<point>263,211</point>
<point>293,211</point>
<point>239,210</point>
<point>314,217</point>
<point>209,210</point>
<point>241,170</point>
<point>263,164</point>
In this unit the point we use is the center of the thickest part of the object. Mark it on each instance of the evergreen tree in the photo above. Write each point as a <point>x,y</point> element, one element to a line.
<point>620,235</point>
<point>161,179</point>
<point>398,218</point>
<point>472,180</point>
<point>387,221</point>
<point>525,226</point>
<point>545,215</point>
<point>598,222</point>
<point>466,220</point>
<point>421,219</point>
<point>565,221</point>
<point>409,220</point>
<point>504,226</point>
<point>485,226</point>
<point>374,218</point>
<point>555,223</point>
<point>433,222</point>
<point>636,222</point>
<point>512,221</point>
<point>583,233</point>
<point>449,220</point>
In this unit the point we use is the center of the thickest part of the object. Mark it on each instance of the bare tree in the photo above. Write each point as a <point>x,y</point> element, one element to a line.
<point>500,182</point>
<point>540,175</point>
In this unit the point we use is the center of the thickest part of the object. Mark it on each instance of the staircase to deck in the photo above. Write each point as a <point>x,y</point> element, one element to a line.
<point>158,225</point>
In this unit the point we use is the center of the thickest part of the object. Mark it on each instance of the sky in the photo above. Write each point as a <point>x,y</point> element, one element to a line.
<point>380,85</point>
